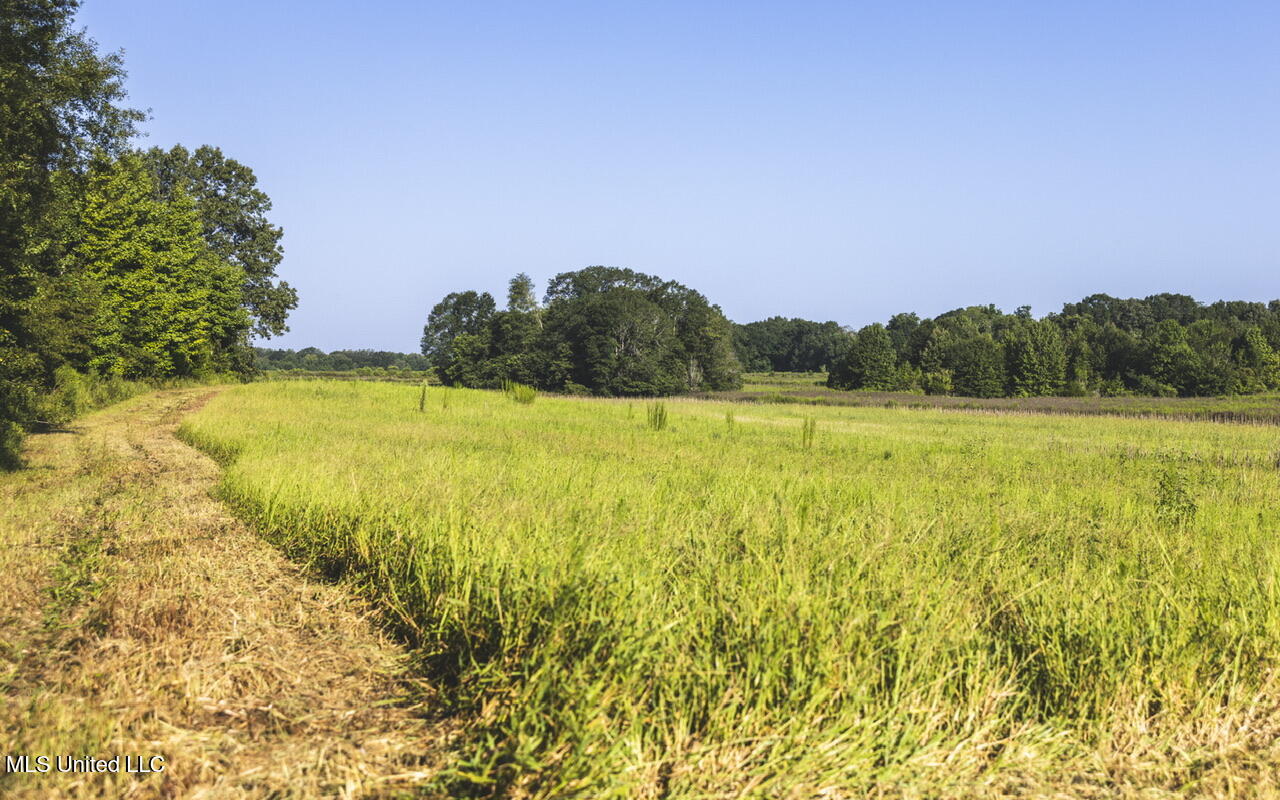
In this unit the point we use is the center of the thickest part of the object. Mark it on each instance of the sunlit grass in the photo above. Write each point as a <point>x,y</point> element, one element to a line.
<point>786,600</point>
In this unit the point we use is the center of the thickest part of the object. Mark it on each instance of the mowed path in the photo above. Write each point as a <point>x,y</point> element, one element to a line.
<point>138,618</point>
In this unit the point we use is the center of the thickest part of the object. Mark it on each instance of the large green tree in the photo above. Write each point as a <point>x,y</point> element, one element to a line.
<point>166,305</point>
<point>522,296</point>
<point>234,224</point>
<point>606,330</point>
<point>458,314</point>
<point>1260,361</point>
<point>60,101</point>
<point>869,363</point>
<point>1037,359</point>
<point>977,366</point>
<point>779,344</point>
<point>617,342</point>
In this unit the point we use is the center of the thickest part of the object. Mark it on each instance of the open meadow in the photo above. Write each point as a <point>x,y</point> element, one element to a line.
<point>707,599</point>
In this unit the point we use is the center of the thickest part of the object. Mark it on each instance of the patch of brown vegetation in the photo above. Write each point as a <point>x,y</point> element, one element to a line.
<point>139,618</point>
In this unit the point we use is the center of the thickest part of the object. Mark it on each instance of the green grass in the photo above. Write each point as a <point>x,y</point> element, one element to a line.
<point>784,601</point>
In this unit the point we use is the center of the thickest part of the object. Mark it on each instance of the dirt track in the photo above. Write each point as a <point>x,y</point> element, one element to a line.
<point>138,618</point>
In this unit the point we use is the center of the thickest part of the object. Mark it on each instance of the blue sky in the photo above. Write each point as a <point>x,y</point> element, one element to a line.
<point>824,160</point>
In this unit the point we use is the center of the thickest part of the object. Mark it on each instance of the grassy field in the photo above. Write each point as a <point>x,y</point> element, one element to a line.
<point>809,388</point>
<point>791,601</point>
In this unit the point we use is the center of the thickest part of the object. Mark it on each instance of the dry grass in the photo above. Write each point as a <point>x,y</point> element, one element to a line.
<point>139,618</point>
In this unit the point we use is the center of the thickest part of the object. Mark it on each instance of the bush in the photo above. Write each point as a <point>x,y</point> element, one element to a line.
<point>1148,385</point>
<point>10,444</point>
<point>936,382</point>
<point>72,394</point>
<point>1175,504</point>
<point>1075,389</point>
<point>1113,388</point>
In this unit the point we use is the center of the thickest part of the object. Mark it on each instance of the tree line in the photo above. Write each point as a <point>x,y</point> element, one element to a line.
<point>779,344</point>
<point>115,262</point>
<point>313,359</point>
<point>600,330</point>
<point>1164,345</point>
<point>612,331</point>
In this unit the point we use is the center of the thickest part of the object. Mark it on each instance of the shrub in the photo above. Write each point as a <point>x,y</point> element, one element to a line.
<point>72,394</point>
<point>1151,387</point>
<point>1174,503</point>
<point>10,444</point>
<point>938,382</point>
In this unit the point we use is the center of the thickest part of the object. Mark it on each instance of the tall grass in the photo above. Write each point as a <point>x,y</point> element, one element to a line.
<point>808,430</point>
<point>519,393</point>
<point>75,393</point>
<point>658,415</point>
<point>1001,603</point>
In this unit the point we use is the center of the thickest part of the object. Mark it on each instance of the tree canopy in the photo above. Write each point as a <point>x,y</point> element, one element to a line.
<point>779,344</point>
<point>114,262</point>
<point>600,330</point>
<point>1165,344</point>
<point>313,359</point>
<point>233,222</point>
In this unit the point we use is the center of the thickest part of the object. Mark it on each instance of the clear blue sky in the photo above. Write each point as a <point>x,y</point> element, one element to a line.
<point>824,160</point>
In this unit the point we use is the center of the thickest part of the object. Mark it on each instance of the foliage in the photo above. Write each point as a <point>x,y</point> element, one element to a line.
<point>60,102</point>
<point>458,314</point>
<point>1163,345</point>
<point>605,330</point>
<point>977,366</point>
<point>113,264</point>
<point>522,296</point>
<point>808,430</point>
<point>778,344</point>
<point>937,382</point>
<point>1037,359</point>
<point>233,217</point>
<point>167,306</point>
<point>316,360</point>
<point>1174,502</point>
<point>869,362</point>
